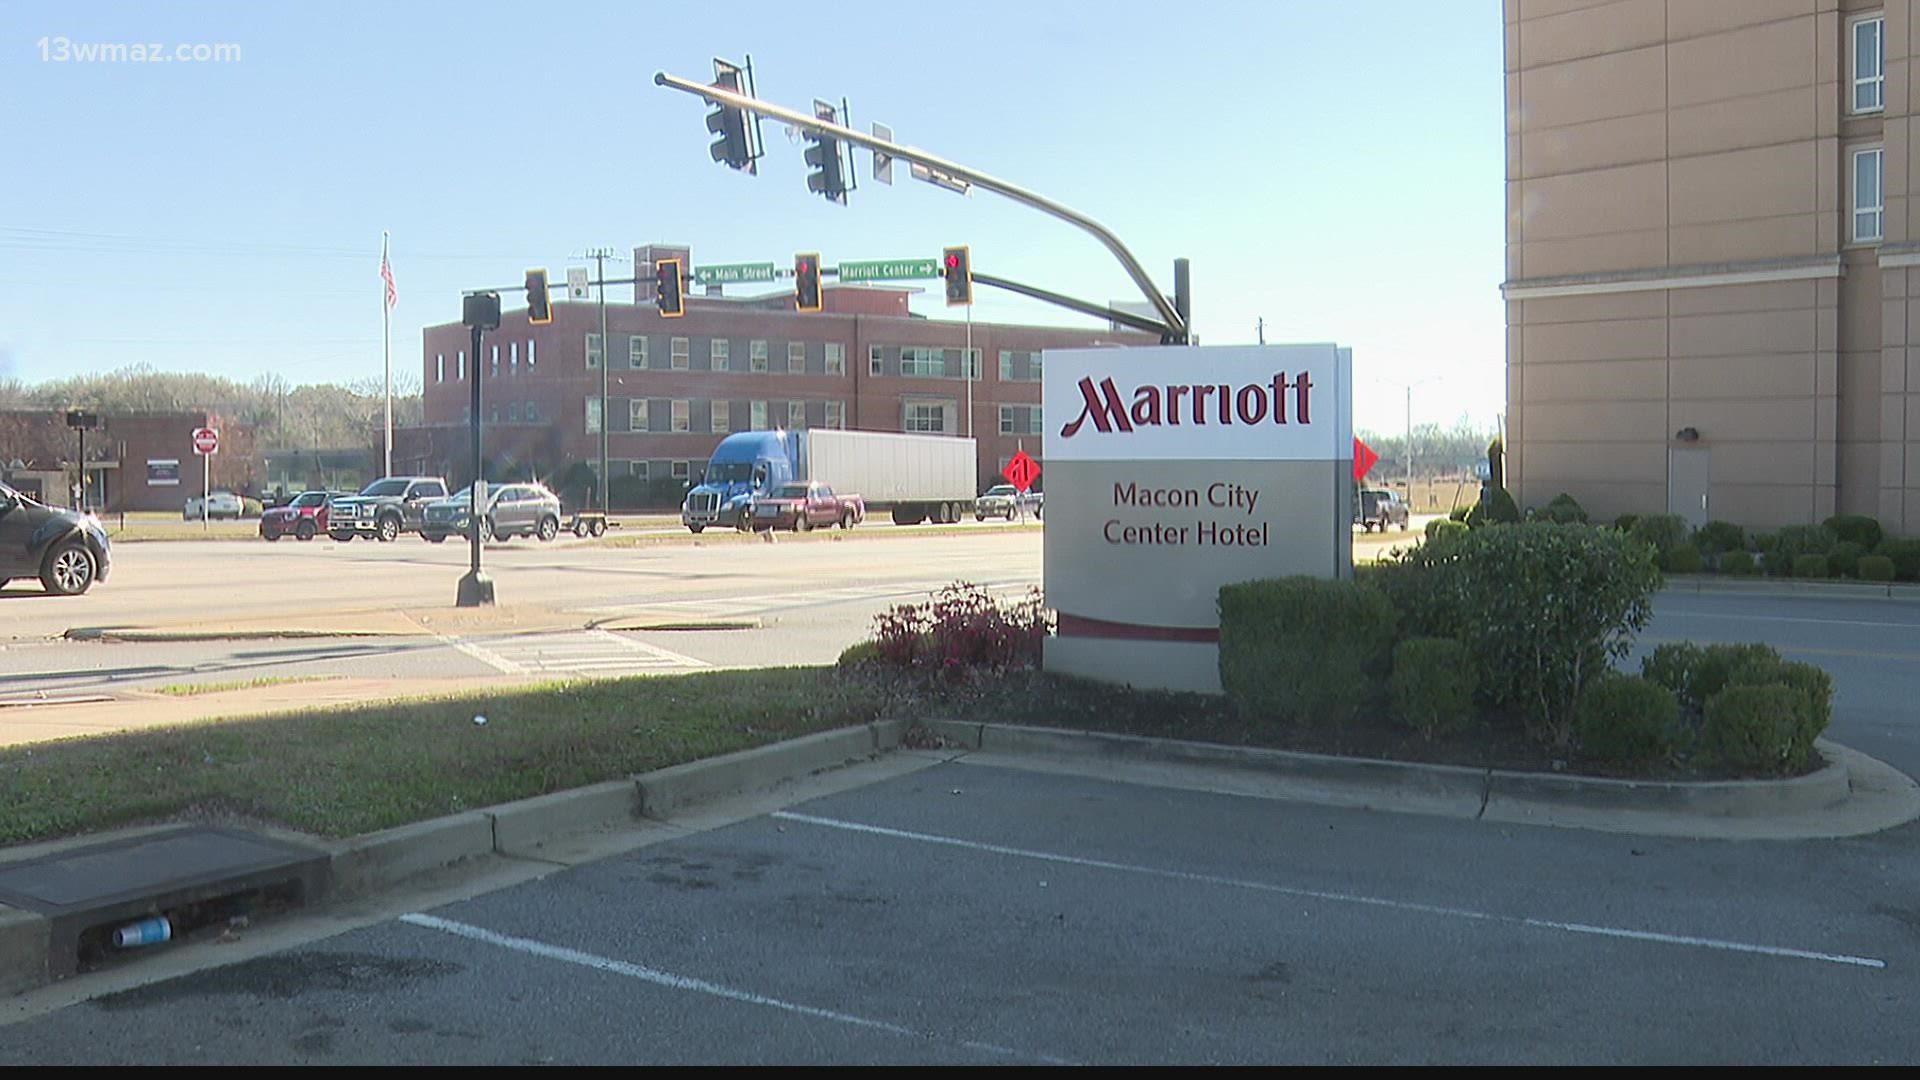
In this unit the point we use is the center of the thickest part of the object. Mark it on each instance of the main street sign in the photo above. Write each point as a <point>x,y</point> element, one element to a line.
<point>889,269</point>
<point>729,273</point>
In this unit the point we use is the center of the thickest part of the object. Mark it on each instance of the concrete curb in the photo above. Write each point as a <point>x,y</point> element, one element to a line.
<point>26,941</point>
<point>630,624</point>
<point>1502,794</point>
<point>137,633</point>
<point>1900,592</point>
<point>665,790</point>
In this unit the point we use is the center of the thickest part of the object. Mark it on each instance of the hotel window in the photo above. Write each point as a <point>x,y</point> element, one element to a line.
<point>925,363</point>
<point>875,364</point>
<point>1869,64</point>
<point>680,351</point>
<point>836,414</point>
<point>462,361</point>
<point>1006,365</point>
<point>637,352</point>
<point>1033,367</point>
<point>681,470</point>
<point>758,418</point>
<point>1008,424</point>
<point>970,364</point>
<point>757,356</point>
<point>513,357</point>
<point>637,415</point>
<point>593,416</point>
<point>796,357</point>
<point>836,358</point>
<point>639,469</point>
<point>719,354</point>
<point>1033,421</point>
<point>439,367</point>
<point>721,414</point>
<point>593,350</point>
<point>529,354</point>
<point>682,420</point>
<point>1868,203</point>
<point>926,417</point>
<point>796,415</point>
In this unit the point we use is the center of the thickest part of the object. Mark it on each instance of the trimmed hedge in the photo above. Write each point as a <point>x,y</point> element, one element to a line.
<point>1717,536</point>
<point>1876,568</point>
<point>1625,522</point>
<point>1684,559</point>
<point>1697,672</point>
<point>1856,528</point>
<point>1303,649</point>
<point>1500,509</point>
<point>1905,556</point>
<point>1752,728</point>
<point>1844,559</point>
<point>1441,530</point>
<point>1793,541</point>
<point>1811,566</point>
<point>1564,509</point>
<point>1661,532</point>
<point>1736,562</point>
<point>1627,719</point>
<point>1432,685</point>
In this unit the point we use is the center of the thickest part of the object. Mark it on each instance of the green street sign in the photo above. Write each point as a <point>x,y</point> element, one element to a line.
<point>728,273</point>
<point>889,269</point>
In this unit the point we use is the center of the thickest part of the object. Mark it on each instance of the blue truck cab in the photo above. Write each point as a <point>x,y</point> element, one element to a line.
<point>745,464</point>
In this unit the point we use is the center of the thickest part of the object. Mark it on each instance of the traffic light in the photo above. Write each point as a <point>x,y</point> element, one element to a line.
<point>806,282</point>
<point>539,312</point>
<point>669,288</point>
<point>957,266</point>
<point>729,123</point>
<point>823,156</point>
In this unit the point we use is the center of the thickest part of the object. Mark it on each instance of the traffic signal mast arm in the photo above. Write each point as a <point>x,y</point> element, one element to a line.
<point>1170,317</point>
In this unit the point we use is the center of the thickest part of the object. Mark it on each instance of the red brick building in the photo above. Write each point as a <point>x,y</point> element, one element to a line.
<point>675,387</point>
<point>135,461</point>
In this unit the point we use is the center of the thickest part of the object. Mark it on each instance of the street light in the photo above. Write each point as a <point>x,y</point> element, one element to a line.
<point>480,312</point>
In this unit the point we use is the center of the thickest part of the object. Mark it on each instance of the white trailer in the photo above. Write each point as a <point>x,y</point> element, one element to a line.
<point>917,477</point>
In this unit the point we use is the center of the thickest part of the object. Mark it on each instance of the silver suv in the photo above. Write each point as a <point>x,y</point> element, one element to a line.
<point>514,509</point>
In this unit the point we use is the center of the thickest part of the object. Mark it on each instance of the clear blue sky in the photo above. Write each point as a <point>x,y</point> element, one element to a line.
<point>1334,169</point>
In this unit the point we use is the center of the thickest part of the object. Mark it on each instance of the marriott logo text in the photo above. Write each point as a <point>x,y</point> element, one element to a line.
<point>1204,403</point>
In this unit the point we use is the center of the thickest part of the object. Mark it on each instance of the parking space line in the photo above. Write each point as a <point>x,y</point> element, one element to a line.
<point>1343,898</point>
<point>683,982</point>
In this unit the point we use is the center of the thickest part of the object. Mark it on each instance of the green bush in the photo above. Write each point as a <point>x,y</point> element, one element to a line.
<point>1661,532</point>
<point>1717,536</point>
<point>1542,608</point>
<point>1736,562</point>
<point>1812,682</point>
<point>1625,522</point>
<point>1459,513</point>
<point>1765,542</point>
<point>1432,685</point>
<point>1754,729</point>
<point>1564,509</point>
<point>1875,568</point>
<point>1499,509</point>
<point>1627,720</point>
<point>1858,528</point>
<point>1303,649</point>
<point>1811,566</point>
<point>1440,530</point>
<point>1844,559</point>
<point>1695,673</point>
<point>1684,559</point>
<point>860,654</point>
<point>1793,541</point>
<point>1905,555</point>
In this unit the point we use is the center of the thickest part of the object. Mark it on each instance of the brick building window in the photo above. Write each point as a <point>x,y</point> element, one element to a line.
<point>513,357</point>
<point>836,414</point>
<point>533,413</point>
<point>757,418</point>
<point>1007,421</point>
<point>637,415</point>
<point>682,419</point>
<point>681,470</point>
<point>439,367</point>
<point>462,362</point>
<point>1006,365</point>
<point>593,416</point>
<point>922,362</point>
<point>637,352</point>
<point>721,416</point>
<point>679,351</point>
<point>836,358</point>
<point>876,364</point>
<point>593,350</point>
<point>925,416</point>
<point>529,354</point>
<point>719,352</point>
<point>757,358</point>
<point>1868,201</point>
<point>796,357</point>
<point>1869,64</point>
<point>796,415</point>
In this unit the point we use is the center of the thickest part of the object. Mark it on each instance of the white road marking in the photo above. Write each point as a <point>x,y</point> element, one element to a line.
<point>1344,898</point>
<point>572,651</point>
<point>682,982</point>
<point>1786,618</point>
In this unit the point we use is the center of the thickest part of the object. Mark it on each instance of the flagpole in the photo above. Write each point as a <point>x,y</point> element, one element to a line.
<point>386,334</point>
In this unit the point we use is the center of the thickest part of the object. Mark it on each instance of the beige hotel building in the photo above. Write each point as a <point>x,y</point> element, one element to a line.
<point>1713,258</point>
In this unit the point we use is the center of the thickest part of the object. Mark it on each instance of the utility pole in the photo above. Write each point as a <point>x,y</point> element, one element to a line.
<point>600,257</point>
<point>1409,448</point>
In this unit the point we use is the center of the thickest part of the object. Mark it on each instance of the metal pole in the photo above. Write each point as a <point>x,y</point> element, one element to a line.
<point>606,359</point>
<point>474,589</point>
<point>386,334</point>
<point>1409,448</point>
<point>804,122</point>
<point>83,468</point>
<point>966,361</point>
<point>1183,299</point>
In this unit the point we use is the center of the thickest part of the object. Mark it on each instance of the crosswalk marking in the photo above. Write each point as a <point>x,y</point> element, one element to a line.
<point>572,651</point>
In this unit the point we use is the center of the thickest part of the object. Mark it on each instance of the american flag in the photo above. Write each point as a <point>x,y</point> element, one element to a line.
<point>386,274</point>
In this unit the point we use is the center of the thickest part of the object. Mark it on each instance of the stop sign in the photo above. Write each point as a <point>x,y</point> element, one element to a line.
<point>206,440</point>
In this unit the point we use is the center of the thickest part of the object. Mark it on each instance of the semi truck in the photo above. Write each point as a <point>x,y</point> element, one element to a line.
<point>914,478</point>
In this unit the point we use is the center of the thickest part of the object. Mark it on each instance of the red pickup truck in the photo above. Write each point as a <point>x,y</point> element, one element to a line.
<point>801,507</point>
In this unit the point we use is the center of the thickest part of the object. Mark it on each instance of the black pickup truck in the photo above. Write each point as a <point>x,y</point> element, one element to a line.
<point>385,508</point>
<point>1379,509</point>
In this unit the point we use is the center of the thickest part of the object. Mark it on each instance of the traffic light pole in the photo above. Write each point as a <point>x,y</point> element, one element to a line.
<point>1174,324</point>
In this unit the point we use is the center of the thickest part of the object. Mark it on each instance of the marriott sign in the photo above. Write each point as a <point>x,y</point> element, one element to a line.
<point>1178,470</point>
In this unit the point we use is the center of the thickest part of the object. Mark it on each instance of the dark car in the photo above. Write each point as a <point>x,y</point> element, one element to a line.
<point>303,517</point>
<point>65,549</point>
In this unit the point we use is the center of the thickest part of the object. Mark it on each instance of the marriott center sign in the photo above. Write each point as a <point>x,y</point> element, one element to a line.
<point>1172,471</point>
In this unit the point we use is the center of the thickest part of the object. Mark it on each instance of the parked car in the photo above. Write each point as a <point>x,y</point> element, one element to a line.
<point>385,508</point>
<point>512,510</point>
<point>1379,509</point>
<point>801,506</point>
<point>303,517</point>
<point>65,549</point>
<point>1007,501</point>
<point>218,504</point>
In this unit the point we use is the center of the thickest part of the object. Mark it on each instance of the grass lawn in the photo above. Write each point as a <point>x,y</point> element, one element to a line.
<point>193,689</point>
